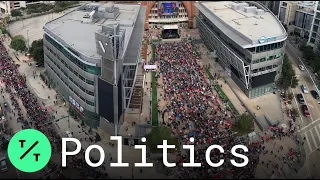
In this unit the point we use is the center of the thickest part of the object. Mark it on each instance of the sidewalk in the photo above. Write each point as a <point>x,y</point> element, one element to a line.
<point>216,68</point>
<point>134,115</point>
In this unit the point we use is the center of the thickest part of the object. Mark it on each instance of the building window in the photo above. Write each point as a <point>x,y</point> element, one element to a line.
<point>90,93</point>
<point>312,40</point>
<point>90,103</point>
<point>90,69</point>
<point>89,82</point>
<point>82,78</point>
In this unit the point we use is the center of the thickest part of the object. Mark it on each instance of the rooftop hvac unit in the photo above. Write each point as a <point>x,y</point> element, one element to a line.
<point>243,5</point>
<point>251,9</point>
<point>235,6</point>
<point>259,12</point>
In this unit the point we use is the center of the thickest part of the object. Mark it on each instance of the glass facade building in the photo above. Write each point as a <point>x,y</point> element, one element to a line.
<point>254,67</point>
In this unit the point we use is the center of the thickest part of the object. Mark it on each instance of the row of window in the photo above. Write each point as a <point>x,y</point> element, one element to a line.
<point>264,68</point>
<point>90,69</point>
<point>71,89</point>
<point>266,59</point>
<point>267,47</point>
<point>88,81</point>
<point>70,78</point>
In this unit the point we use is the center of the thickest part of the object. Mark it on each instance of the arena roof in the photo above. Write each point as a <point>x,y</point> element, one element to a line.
<point>244,25</point>
<point>81,36</point>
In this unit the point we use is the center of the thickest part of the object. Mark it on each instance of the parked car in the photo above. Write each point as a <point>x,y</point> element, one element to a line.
<point>3,164</point>
<point>305,110</point>
<point>315,95</point>
<point>301,67</point>
<point>69,135</point>
<point>300,98</point>
<point>304,89</point>
<point>39,64</point>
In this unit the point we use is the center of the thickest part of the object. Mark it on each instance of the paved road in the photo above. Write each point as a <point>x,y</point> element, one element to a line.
<point>309,126</point>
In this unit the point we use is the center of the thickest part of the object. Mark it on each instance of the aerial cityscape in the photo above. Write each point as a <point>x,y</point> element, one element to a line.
<point>159,89</point>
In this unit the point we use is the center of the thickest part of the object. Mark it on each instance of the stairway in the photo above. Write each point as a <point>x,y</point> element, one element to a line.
<point>137,95</point>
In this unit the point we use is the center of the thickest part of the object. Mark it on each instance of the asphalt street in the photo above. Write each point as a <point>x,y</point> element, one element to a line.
<point>309,126</point>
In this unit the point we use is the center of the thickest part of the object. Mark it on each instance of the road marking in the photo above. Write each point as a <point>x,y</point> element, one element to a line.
<point>314,141</point>
<point>316,129</point>
<point>308,142</point>
<point>310,105</point>
<point>309,74</point>
<point>310,124</point>
<point>297,105</point>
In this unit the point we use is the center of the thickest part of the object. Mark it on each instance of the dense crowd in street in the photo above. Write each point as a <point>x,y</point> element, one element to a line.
<point>27,110</point>
<point>195,110</point>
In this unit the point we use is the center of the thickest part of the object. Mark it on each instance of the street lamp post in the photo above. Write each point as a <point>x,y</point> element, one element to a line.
<point>28,40</point>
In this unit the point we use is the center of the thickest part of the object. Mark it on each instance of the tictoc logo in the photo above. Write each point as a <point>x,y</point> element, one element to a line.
<point>262,39</point>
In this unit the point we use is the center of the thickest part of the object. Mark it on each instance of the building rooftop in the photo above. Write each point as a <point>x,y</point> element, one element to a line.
<point>243,23</point>
<point>78,32</point>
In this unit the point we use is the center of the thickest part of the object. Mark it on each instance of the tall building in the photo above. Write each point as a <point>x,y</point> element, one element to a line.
<point>297,17</point>
<point>159,14</point>
<point>272,6</point>
<point>249,42</point>
<point>7,6</point>
<point>91,55</point>
<point>314,37</point>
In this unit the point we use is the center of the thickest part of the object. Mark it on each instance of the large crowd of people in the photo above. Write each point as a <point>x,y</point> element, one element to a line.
<point>27,110</point>
<point>195,110</point>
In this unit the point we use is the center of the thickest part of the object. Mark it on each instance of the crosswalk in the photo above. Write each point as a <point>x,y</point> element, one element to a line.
<point>312,141</point>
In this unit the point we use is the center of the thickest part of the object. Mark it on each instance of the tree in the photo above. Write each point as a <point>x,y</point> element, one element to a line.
<point>3,30</point>
<point>62,5</point>
<point>245,124</point>
<point>16,13</point>
<point>18,43</point>
<point>156,137</point>
<point>294,112</point>
<point>36,51</point>
<point>288,75</point>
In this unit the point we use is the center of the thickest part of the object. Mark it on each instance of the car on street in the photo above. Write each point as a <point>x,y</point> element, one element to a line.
<point>3,164</point>
<point>304,89</point>
<point>69,135</point>
<point>305,110</point>
<point>301,67</point>
<point>300,98</point>
<point>315,95</point>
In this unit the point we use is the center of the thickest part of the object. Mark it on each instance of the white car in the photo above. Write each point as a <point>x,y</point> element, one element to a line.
<point>69,135</point>
<point>301,67</point>
<point>304,89</point>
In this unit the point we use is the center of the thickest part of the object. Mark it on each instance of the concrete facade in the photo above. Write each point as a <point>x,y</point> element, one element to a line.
<point>297,17</point>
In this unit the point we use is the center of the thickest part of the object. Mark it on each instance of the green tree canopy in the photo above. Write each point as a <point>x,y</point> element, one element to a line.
<point>62,5</point>
<point>39,8</point>
<point>244,124</point>
<point>156,137</point>
<point>36,51</point>
<point>312,58</point>
<point>18,43</point>
<point>16,13</point>
<point>288,75</point>
<point>3,30</point>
